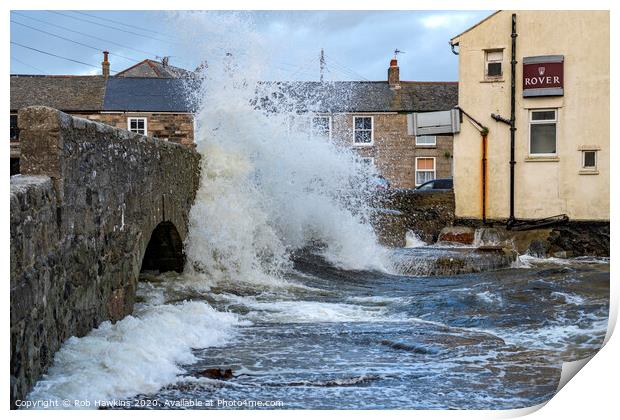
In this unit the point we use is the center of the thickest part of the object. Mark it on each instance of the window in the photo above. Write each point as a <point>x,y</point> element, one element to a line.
<point>367,161</point>
<point>588,161</point>
<point>14,128</point>
<point>363,130</point>
<point>425,140</point>
<point>493,63</point>
<point>424,170</point>
<point>137,125</point>
<point>321,126</point>
<point>543,124</point>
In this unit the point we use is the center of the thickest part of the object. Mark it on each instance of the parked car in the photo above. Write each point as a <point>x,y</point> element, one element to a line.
<point>443,184</point>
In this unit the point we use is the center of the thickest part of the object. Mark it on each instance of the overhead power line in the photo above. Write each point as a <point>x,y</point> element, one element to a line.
<point>346,69</point>
<point>108,26</point>
<point>57,56</point>
<point>122,23</point>
<point>152,54</point>
<point>75,42</point>
<point>27,65</point>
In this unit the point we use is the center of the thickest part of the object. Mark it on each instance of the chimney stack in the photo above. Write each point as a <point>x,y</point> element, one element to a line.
<point>105,65</point>
<point>394,74</point>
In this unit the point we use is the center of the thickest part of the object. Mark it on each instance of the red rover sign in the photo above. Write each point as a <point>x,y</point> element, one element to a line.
<point>543,76</point>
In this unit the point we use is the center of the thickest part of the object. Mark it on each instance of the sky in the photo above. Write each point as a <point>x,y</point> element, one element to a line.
<point>357,45</point>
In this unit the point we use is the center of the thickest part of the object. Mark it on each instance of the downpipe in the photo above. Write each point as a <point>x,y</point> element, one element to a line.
<point>512,223</point>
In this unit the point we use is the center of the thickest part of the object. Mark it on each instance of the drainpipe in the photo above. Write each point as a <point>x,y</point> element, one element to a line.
<point>513,128</point>
<point>484,176</point>
<point>484,132</point>
<point>512,223</point>
<point>511,122</point>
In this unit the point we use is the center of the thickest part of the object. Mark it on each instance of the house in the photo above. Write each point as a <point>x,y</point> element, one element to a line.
<point>153,104</point>
<point>558,115</point>
<point>374,118</point>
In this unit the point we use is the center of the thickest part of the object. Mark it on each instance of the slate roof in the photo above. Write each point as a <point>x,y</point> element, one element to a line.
<point>67,93</point>
<point>150,68</point>
<point>363,96</point>
<point>96,94</point>
<point>146,94</point>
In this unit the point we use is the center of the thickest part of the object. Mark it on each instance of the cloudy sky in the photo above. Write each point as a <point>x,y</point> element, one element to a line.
<point>357,44</point>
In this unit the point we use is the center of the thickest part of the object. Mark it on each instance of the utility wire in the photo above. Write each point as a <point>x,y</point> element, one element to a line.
<point>57,56</point>
<point>121,23</point>
<point>75,42</point>
<point>108,26</point>
<point>27,65</point>
<point>88,35</point>
<point>349,70</point>
<point>304,67</point>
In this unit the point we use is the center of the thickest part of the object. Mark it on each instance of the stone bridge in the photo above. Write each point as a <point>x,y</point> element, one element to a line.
<point>94,206</point>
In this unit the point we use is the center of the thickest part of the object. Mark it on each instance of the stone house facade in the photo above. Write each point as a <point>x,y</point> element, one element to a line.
<point>394,152</point>
<point>372,118</point>
<point>153,104</point>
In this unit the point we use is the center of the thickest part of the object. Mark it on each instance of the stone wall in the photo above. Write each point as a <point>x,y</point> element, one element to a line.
<point>82,214</point>
<point>570,239</point>
<point>394,150</point>
<point>424,213</point>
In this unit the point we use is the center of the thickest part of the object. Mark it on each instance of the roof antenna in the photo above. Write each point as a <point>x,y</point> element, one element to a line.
<point>322,63</point>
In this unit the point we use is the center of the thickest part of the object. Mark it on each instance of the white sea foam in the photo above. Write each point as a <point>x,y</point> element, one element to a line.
<point>489,298</point>
<point>267,189</point>
<point>299,311</point>
<point>412,240</point>
<point>138,354</point>
<point>569,298</point>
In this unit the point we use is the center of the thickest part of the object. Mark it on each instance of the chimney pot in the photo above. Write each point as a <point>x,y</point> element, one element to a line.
<point>394,74</point>
<point>105,65</point>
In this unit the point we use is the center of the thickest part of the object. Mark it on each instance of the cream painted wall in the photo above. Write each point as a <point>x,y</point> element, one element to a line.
<point>542,188</point>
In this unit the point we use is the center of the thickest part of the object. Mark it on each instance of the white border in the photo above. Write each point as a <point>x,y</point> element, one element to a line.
<point>416,169</point>
<point>593,394</point>
<point>372,131</point>
<point>530,123</point>
<point>146,131</point>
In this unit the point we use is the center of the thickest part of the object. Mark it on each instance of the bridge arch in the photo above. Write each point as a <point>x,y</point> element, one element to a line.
<point>164,251</point>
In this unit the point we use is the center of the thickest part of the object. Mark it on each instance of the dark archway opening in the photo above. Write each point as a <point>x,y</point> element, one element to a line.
<point>164,251</point>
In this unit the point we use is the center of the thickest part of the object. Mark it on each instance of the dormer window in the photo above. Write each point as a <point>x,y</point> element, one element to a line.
<point>493,64</point>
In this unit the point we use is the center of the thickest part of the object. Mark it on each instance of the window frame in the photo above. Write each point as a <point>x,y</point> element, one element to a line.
<point>14,130</point>
<point>313,132</point>
<point>538,122</point>
<point>424,170</point>
<point>583,160</point>
<point>372,131</point>
<point>487,62</point>
<point>146,131</point>
<point>366,160</point>
<point>434,143</point>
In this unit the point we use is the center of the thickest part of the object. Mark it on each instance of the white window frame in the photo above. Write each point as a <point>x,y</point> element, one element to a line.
<point>146,131</point>
<point>529,131</point>
<point>434,143</point>
<point>372,131</point>
<point>313,133</point>
<point>424,170</point>
<point>366,160</point>
<point>487,62</point>
<point>583,160</point>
